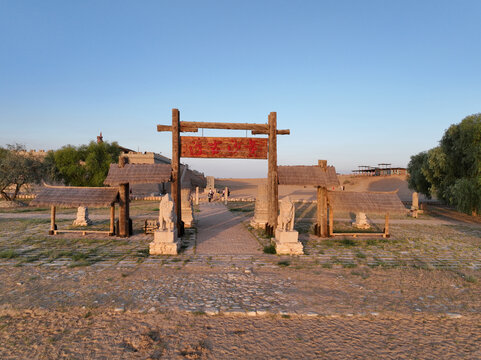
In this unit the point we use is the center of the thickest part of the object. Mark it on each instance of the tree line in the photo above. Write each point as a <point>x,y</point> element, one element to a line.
<point>84,165</point>
<point>452,171</point>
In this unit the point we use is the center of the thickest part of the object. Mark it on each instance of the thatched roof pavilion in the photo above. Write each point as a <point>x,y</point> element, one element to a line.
<point>74,196</point>
<point>308,175</point>
<point>366,202</point>
<point>138,174</point>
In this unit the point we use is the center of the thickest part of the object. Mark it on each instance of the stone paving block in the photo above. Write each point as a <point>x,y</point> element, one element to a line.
<point>219,232</point>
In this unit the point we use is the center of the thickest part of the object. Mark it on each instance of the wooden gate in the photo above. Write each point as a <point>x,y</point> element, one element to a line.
<point>226,148</point>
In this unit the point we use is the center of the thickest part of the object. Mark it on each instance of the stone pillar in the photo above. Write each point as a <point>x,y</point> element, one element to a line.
<point>82,217</point>
<point>260,211</point>
<point>210,184</point>
<point>361,221</point>
<point>196,195</point>
<point>415,205</point>
<point>187,208</point>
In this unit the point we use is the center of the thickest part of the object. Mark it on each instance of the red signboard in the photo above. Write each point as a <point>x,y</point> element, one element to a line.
<point>223,147</point>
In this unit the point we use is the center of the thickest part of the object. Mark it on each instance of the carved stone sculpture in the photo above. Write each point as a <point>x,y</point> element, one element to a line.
<point>361,221</point>
<point>166,213</point>
<point>165,241</point>
<point>285,220</point>
<point>82,217</point>
<point>287,239</point>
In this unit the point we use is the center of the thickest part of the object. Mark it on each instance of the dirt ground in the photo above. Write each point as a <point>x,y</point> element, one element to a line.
<point>416,295</point>
<point>363,313</point>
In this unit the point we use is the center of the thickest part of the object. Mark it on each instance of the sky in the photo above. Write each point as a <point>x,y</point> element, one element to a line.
<point>356,82</point>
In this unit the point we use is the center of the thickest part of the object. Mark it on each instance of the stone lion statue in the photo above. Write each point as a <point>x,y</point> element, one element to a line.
<point>167,216</point>
<point>285,220</point>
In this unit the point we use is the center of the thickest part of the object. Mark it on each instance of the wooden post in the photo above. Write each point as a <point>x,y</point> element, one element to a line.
<point>272,178</point>
<point>52,221</point>
<point>124,204</point>
<point>322,227</point>
<point>176,168</point>
<point>196,195</point>
<point>225,195</point>
<point>112,220</point>
<point>331,222</point>
<point>386,226</point>
<point>124,210</point>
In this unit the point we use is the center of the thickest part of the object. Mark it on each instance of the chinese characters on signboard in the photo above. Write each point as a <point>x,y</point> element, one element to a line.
<point>223,147</point>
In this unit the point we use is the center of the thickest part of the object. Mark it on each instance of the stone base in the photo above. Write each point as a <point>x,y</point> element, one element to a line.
<point>82,222</point>
<point>258,224</point>
<point>165,243</point>
<point>187,218</point>
<point>361,226</point>
<point>287,243</point>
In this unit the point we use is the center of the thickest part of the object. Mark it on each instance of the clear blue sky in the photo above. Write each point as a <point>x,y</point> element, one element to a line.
<point>356,82</point>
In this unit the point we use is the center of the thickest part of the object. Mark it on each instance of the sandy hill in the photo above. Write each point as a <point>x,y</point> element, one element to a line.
<point>248,187</point>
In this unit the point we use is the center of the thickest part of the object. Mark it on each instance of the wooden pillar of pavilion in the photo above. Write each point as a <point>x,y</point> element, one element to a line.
<point>331,221</point>
<point>112,220</point>
<point>272,177</point>
<point>386,227</point>
<point>124,204</point>
<point>322,220</point>
<point>52,221</point>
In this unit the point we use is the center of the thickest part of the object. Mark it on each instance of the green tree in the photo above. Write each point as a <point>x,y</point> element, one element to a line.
<point>434,170</point>
<point>17,169</point>
<point>453,169</point>
<point>461,145</point>
<point>417,180</point>
<point>86,165</point>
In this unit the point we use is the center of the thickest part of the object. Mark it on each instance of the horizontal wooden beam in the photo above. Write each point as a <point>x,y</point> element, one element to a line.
<point>227,126</point>
<point>188,129</point>
<point>265,132</point>
<point>358,234</point>
<point>164,127</point>
<point>182,128</point>
<point>83,232</point>
<point>192,126</point>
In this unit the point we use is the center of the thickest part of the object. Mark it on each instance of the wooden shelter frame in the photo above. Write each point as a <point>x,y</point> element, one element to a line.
<point>386,203</point>
<point>53,200</point>
<point>269,129</point>
<point>385,233</point>
<point>55,231</point>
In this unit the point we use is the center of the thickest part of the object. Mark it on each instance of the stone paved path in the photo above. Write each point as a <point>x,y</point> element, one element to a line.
<point>220,232</point>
